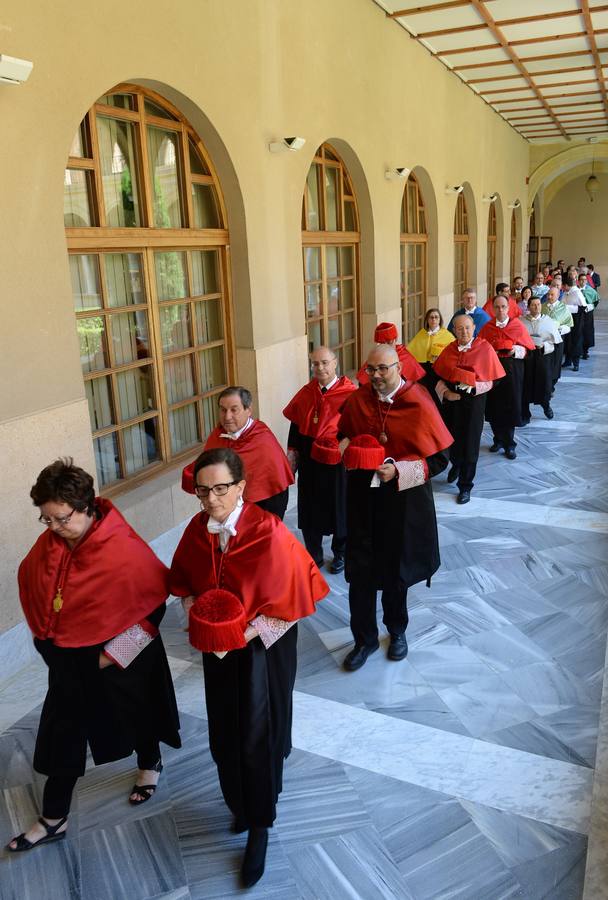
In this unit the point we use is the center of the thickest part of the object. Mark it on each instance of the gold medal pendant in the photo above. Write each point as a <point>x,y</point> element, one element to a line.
<point>383,438</point>
<point>316,418</point>
<point>57,601</point>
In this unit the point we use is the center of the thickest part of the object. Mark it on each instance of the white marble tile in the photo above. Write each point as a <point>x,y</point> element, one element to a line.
<point>508,510</point>
<point>550,791</point>
<point>16,649</point>
<point>23,692</point>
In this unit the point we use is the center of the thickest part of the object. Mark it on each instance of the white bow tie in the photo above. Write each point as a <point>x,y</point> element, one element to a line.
<point>231,437</point>
<point>215,527</point>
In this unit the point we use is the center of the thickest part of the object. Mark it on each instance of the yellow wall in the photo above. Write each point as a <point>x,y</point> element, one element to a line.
<point>244,73</point>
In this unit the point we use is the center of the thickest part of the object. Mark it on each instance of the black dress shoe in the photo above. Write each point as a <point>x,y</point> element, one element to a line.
<point>495,447</point>
<point>463,497</point>
<point>566,364</point>
<point>585,356</point>
<point>337,565</point>
<point>452,474</point>
<point>575,367</point>
<point>510,453</point>
<point>548,411</point>
<point>397,649</point>
<point>358,657</point>
<point>255,856</point>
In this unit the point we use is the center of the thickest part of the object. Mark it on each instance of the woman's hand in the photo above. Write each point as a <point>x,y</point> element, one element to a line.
<point>104,661</point>
<point>386,472</point>
<point>451,395</point>
<point>250,633</point>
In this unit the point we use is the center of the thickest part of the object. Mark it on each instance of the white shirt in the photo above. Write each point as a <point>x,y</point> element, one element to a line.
<point>236,435</point>
<point>329,386</point>
<point>502,324</point>
<point>227,528</point>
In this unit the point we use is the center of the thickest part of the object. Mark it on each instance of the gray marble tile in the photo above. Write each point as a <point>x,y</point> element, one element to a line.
<point>486,704</point>
<point>54,869</point>
<point>523,605</point>
<point>426,709</point>
<point>558,875</point>
<point>470,616</point>
<point>539,738</point>
<point>443,666</point>
<point>505,649</point>
<point>547,687</point>
<point>558,634</point>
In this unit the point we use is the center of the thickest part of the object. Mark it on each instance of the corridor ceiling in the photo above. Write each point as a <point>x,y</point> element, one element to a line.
<point>540,64</point>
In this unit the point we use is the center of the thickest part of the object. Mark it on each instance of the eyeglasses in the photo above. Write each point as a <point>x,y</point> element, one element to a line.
<point>60,521</point>
<point>381,370</point>
<point>218,489</point>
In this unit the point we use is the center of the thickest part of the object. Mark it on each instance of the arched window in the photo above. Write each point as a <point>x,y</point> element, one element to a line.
<point>413,259</point>
<point>147,239</point>
<point>330,238</point>
<point>461,250</point>
<point>513,247</point>
<point>491,256</point>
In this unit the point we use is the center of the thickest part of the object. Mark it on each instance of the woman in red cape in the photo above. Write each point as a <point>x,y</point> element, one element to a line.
<point>237,547</point>
<point>93,594</point>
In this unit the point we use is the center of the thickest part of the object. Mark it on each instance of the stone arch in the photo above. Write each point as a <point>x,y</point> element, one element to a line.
<point>432,229</point>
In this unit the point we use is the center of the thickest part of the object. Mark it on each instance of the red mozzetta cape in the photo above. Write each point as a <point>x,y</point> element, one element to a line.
<point>410,367</point>
<point>480,363</point>
<point>412,424</point>
<point>264,565</point>
<point>109,581</point>
<point>266,467</point>
<point>504,339</point>
<point>310,402</point>
<point>514,310</point>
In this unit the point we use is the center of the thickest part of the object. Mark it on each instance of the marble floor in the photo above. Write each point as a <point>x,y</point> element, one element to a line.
<point>465,771</point>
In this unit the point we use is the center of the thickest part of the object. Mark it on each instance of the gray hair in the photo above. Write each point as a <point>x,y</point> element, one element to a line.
<point>245,395</point>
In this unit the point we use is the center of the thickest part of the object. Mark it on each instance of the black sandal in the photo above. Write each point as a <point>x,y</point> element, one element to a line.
<point>51,835</point>
<point>146,790</point>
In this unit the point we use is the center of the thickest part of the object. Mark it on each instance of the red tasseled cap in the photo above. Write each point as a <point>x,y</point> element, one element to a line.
<point>503,344</point>
<point>385,332</point>
<point>364,452</point>
<point>217,622</point>
<point>188,479</point>
<point>326,450</point>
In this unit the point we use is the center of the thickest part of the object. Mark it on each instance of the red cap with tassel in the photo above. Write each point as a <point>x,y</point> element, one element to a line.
<point>385,333</point>
<point>217,622</point>
<point>364,452</point>
<point>326,450</point>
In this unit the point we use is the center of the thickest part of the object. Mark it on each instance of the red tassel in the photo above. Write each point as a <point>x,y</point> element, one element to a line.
<point>217,622</point>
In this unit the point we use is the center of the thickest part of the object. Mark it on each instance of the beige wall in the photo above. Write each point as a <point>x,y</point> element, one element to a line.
<point>579,227</point>
<point>244,72</point>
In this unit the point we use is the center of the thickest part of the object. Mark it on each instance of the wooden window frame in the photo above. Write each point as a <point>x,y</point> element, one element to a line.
<point>513,248</point>
<point>145,240</point>
<point>413,232</point>
<point>491,251</point>
<point>461,240</point>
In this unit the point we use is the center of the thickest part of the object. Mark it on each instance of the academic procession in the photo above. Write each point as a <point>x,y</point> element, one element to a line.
<point>304,438</point>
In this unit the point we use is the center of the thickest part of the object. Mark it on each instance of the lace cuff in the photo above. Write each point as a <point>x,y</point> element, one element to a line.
<point>270,629</point>
<point>519,351</point>
<point>123,648</point>
<point>410,473</point>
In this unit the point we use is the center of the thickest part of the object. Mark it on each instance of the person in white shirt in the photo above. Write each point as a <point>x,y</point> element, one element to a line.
<point>539,288</point>
<point>575,301</point>
<point>538,365</point>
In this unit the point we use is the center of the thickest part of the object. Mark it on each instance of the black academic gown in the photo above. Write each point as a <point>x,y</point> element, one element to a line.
<point>538,378</point>
<point>504,403</point>
<point>392,537</point>
<point>465,418</point>
<point>112,709</point>
<point>321,489</point>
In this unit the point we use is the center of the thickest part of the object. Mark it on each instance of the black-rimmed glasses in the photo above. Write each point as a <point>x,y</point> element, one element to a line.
<point>60,521</point>
<point>381,370</point>
<point>218,489</point>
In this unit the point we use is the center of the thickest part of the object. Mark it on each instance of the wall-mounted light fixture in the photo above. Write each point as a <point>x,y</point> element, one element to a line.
<point>457,189</point>
<point>395,174</point>
<point>514,205</point>
<point>286,143</point>
<point>491,198</point>
<point>13,70</point>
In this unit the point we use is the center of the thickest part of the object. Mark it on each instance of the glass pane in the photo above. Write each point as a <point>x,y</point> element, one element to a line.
<point>179,380</point>
<point>92,344</point>
<point>209,325</point>
<point>329,154</point>
<point>331,199</point>
<point>348,358</point>
<point>99,396</point>
<point>204,205</point>
<point>135,392</point>
<point>183,428</point>
<point>175,327</point>
<point>346,293</point>
<point>213,369</point>
<point>333,297</point>
<point>124,279</point>
<point>347,260</point>
<point>130,340</point>
<point>331,261</point>
<point>334,331</point>
<point>84,273</point>
<point>118,171</point>
<point>312,263</point>
<point>152,109</point>
<point>350,219</point>
<point>209,407</point>
<point>77,198</point>
<point>163,154</point>
<point>141,445</point>
<point>313,300</point>
<point>204,272</point>
<point>348,325</point>
<point>312,199</point>
<point>171,280</point>
<point>120,101</point>
<point>106,459</point>
<point>80,146</point>
<point>314,336</point>
<point>197,166</point>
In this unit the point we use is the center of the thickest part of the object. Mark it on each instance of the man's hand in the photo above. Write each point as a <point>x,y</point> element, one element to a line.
<point>386,472</point>
<point>250,633</point>
<point>343,445</point>
<point>104,661</point>
<point>451,395</point>
<point>187,603</point>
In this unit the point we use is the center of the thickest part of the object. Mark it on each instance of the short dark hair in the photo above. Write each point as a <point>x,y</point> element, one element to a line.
<point>63,482</point>
<point>432,310</point>
<point>526,287</point>
<point>571,280</point>
<point>501,286</point>
<point>245,395</point>
<point>218,456</point>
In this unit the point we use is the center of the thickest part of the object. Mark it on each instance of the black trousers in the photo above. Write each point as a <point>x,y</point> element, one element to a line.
<point>362,602</point>
<point>276,504</point>
<point>504,436</point>
<point>573,341</point>
<point>313,541</point>
<point>58,790</point>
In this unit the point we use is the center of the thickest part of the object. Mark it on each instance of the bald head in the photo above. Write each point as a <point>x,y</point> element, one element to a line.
<point>323,362</point>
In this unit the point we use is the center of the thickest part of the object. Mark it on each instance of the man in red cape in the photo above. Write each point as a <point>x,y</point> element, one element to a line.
<point>267,468</point>
<point>392,538</point>
<point>503,290</point>
<point>314,453</point>
<point>467,369</point>
<point>386,333</point>
<point>511,342</point>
